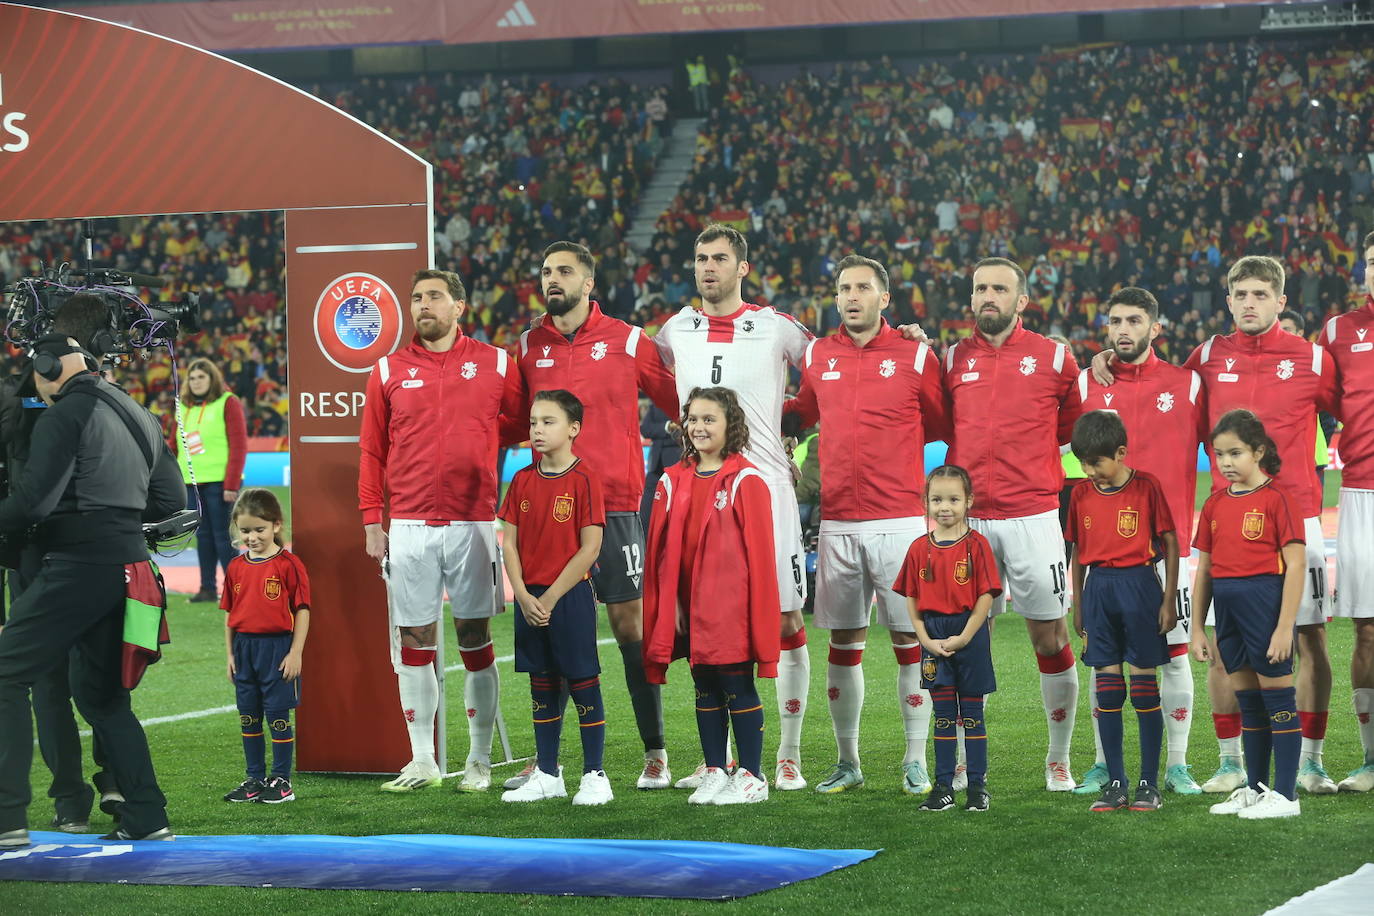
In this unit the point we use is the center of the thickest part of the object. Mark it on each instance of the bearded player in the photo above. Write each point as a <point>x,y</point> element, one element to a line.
<point>879,399</point>
<point>1013,400</point>
<point>1162,408</point>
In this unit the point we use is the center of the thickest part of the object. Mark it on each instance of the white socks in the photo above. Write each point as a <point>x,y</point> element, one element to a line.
<point>844,682</point>
<point>794,681</point>
<point>1364,712</point>
<point>481,693</point>
<point>915,704</point>
<point>419,688</point>
<point>1060,694</point>
<point>1176,696</point>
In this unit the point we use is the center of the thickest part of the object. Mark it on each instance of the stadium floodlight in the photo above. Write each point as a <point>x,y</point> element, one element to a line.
<point>1293,16</point>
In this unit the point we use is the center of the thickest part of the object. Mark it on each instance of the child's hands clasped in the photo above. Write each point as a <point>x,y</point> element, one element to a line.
<point>536,615</point>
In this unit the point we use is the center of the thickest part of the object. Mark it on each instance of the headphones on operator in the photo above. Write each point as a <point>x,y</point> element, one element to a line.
<point>47,352</point>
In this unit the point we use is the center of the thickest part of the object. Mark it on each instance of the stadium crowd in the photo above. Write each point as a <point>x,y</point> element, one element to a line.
<point>1096,167</point>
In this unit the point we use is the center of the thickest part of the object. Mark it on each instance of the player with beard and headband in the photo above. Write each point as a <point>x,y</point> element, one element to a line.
<point>1165,417</point>
<point>745,347</point>
<point>1012,403</point>
<point>879,399</point>
<point>1285,380</point>
<point>604,363</point>
<point>433,464</point>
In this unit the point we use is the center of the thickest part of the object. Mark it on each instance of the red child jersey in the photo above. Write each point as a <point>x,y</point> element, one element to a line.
<point>430,430</point>
<point>605,366</point>
<point>550,511</point>
<point>1010,408</point>
<point>702,493</point>
<point>1349,340</point>
<point>1284,380</point>
<point>879,404</point>
<point>1165,414</point>
<point>1246,534</point>
<point>948,578</point>
<point>1120,528</point>
<point>263,596</point>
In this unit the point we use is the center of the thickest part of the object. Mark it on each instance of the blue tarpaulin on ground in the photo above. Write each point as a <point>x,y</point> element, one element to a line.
<point>429,862</point>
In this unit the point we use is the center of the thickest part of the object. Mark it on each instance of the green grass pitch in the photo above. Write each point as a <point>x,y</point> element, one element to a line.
<point>1033,852</point>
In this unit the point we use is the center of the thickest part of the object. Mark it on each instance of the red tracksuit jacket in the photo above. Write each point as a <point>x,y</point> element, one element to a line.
<point>1349,341</point>
<point>605,366</point>
<point>878,406</point>
<point>1284,379</point>
<point>1010,409</point>
<point>429,436</point>
<point>734,600</point>
<point>1165,414</point>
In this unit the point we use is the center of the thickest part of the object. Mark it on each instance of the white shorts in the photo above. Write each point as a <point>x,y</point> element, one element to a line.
<point>787,544</point>
<point>1313,607</point>
<point>1030,560</point>
<point>858,561</point>
<point>1355,554</point>
<point>425,561</point>
<point>1183,601</point>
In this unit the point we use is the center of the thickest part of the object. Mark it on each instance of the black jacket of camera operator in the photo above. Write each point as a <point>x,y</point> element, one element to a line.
<point>88,484</point>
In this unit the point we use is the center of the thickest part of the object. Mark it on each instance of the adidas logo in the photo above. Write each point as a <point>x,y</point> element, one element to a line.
<point>517,16</point>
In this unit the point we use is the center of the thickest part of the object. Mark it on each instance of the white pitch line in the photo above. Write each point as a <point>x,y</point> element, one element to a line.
<point>218,710</point>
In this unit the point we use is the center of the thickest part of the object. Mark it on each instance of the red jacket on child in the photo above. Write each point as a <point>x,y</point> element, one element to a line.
<point>734,607</point>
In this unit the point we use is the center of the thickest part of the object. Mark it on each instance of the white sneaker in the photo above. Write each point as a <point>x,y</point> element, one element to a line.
<point>415,775</point>
<point>1057,776</point>
<point>1240,799</point>
<point>788,776</point>
<point>476,777</point>
<point>519,779</point>
<point>1359,780</point>
<point>960,782</point>
<point>538,787</point>
<point>595,789</point>
<point>656,774</point>
<point>1313,779</point>
<point>693,781</point>
<point>744,788</point>
<point>1229,777</point>
<point>712,782</point>
<point>1271,804</point>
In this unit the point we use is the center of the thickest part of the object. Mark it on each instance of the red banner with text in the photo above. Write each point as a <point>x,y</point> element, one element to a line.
<point>244,25</point>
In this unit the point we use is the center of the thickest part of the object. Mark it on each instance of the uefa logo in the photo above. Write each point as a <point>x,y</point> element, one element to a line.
<point>357,321</point>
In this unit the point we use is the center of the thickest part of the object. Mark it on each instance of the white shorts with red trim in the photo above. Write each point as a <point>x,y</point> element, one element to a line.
<point>787,544</point>
<point>424,561</point>
<point>1355,554</point>
<point>857,562</point>
<point>1030,560</point>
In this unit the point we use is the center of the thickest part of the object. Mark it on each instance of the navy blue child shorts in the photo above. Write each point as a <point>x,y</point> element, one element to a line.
<point>1247,611</point>
<point>1121,615</point>
<point>567,646</point>
<point>970,669</point>
<point>258,683</point>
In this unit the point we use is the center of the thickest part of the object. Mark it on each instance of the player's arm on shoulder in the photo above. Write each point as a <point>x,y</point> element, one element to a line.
<point>930,394</point>
<point>655,378</point>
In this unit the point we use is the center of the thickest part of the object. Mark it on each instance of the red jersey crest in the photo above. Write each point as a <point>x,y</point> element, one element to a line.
<point>562,508</point>
<point>1127,522</point>
<point>961,572</point>
<point>271,587</point>
<point>1252,526</point>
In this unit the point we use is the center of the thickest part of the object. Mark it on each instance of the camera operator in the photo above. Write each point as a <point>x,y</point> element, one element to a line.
<point>81,317</point>
<point>97,469</point>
